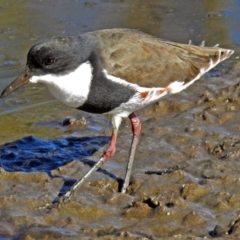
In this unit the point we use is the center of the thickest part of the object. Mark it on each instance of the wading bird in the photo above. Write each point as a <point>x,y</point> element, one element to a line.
<point>115,71</point>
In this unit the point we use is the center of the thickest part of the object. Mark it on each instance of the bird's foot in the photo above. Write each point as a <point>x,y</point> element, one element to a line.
<point>62,199</point>
<point>109,151</point>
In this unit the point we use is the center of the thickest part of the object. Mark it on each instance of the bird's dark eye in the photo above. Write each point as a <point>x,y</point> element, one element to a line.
<point>48,61</point>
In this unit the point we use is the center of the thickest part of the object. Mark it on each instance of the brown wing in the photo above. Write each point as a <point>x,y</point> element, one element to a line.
<point>152,62</point>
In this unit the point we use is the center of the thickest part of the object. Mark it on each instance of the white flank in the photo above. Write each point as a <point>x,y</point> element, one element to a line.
<point>120,80</point>
<point>136,102</point>
<point>72,89</point>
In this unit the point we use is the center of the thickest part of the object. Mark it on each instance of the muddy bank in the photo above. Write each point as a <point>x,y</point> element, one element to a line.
<point>185,182</point>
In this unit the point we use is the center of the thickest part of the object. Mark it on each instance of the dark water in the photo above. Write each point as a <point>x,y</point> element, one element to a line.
<point>32,154</point>
<point>192,139</point>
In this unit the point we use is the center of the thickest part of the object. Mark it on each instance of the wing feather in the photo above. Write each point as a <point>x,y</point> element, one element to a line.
<point>152,62</point>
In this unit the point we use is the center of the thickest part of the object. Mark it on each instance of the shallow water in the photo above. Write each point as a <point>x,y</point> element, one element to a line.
<point>185,182</point>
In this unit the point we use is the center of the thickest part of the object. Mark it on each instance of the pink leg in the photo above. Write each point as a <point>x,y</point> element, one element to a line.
<point>136,129</point>
<point>108,153</point>
<point>111,148</point>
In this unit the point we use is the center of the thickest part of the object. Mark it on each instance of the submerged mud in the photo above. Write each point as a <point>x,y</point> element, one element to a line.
<point>185,182</point>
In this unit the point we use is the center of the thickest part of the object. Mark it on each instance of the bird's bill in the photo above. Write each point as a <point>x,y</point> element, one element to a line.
<point>17,83</point>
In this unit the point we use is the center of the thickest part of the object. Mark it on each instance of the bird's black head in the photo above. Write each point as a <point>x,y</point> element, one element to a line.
<point>59,55</point>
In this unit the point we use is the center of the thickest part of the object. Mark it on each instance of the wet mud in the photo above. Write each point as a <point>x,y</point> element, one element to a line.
<point>186,177</point>
<point>185,183</point>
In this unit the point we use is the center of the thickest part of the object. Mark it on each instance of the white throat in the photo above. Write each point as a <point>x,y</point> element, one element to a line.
<point>73,88</point>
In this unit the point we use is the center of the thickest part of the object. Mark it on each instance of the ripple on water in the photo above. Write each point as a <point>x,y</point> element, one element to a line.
<point>16,101</point>
<point>8,63</point>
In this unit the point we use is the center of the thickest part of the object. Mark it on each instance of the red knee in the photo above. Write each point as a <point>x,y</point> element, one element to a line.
<point>136,124</point>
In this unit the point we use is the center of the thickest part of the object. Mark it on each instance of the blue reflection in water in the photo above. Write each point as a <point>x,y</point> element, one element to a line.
<point>236,36</point>
<point>33,154</point>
